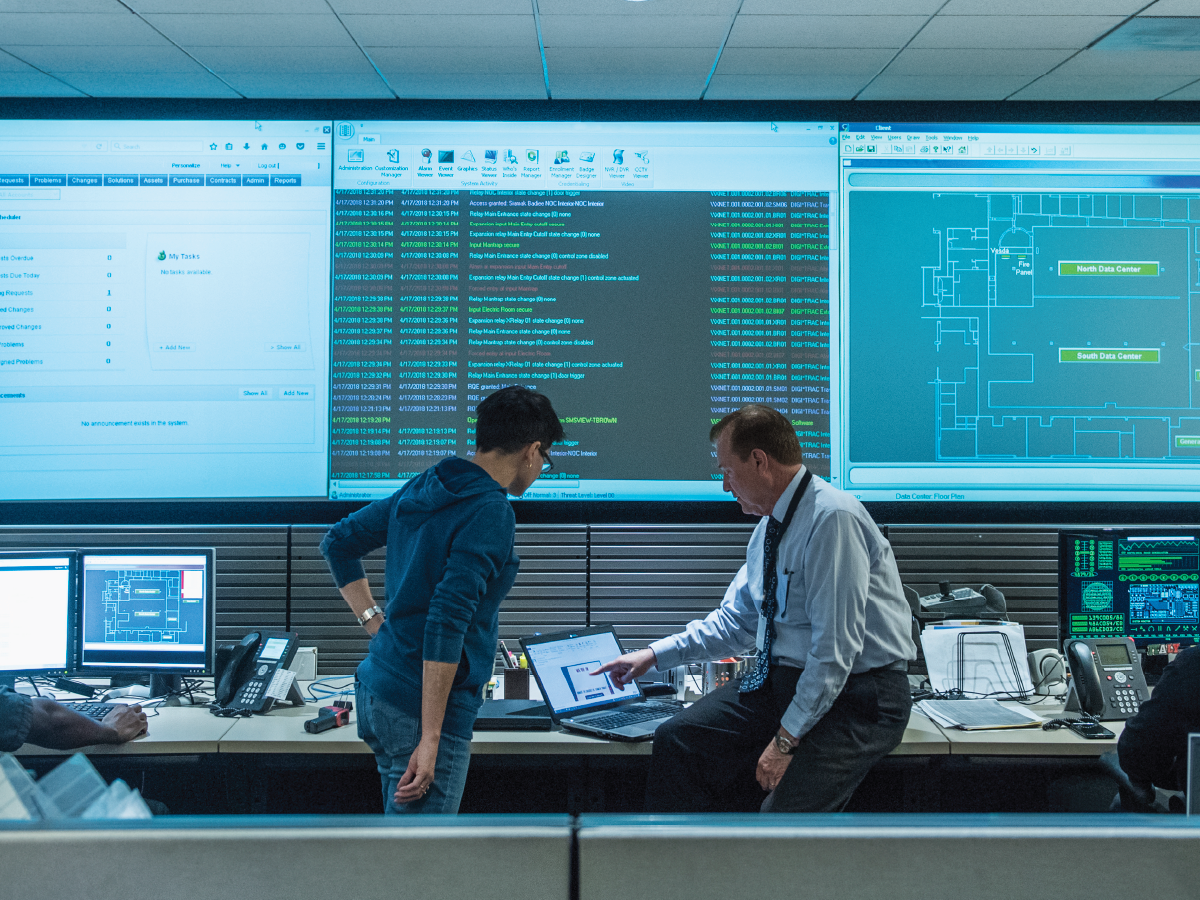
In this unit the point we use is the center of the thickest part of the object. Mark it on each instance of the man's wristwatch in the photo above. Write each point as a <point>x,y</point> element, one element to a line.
<point>369,614</point>
<point>785,745</point>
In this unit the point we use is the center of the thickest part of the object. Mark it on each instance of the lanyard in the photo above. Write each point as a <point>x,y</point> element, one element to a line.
<point>787,520</point>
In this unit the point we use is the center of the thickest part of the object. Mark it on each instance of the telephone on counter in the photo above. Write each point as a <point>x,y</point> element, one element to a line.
<point>1107,680</point>
<point>250,675</point>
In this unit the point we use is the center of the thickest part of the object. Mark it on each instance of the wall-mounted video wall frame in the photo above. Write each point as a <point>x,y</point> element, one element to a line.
<point>223,315</point>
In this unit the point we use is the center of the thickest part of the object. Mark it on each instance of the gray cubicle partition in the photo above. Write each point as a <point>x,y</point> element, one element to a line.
<point>647,581</point>
<point>292,857</point>
<point>887,857</point>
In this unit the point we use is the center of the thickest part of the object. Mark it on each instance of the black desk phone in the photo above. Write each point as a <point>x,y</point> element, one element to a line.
<point>1107,677</point>
<point>247,670</point>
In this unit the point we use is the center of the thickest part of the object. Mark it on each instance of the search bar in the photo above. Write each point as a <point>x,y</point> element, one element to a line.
<point>53,146</point>
<point>160,146</point>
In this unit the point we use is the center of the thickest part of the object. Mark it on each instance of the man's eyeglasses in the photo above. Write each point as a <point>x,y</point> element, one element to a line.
<point>547,463</point>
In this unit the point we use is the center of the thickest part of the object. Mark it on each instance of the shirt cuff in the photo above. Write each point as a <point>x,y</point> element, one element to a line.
<point>19,713</point>
<point>795,722</point>
<point>668,654</point>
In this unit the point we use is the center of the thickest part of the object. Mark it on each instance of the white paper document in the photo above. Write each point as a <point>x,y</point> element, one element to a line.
<point>987,668</point>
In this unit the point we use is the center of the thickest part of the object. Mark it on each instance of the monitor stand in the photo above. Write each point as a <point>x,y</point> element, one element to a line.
<point>169,686</point>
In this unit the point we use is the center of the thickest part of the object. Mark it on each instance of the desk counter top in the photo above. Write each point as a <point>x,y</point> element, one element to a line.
<point>179,730</point>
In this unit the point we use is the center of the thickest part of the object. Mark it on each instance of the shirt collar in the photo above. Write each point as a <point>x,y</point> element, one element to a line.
<point>779,510</point>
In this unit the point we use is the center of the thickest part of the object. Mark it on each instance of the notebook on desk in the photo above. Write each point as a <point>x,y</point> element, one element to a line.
<point>592,704</point>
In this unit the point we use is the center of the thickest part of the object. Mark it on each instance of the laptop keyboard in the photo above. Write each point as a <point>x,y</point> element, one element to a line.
<point>643,712</point>
<point>93,709</point>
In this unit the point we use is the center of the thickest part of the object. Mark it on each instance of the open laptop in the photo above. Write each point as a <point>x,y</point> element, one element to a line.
<point>592,704</point>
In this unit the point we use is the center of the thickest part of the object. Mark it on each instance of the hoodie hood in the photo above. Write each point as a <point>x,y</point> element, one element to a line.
<point>449,482</point>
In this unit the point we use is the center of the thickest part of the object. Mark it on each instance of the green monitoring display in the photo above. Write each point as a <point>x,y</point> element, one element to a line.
<point>1122,583</point>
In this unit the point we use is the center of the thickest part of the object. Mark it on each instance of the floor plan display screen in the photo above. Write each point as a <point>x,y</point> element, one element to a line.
<point>649,278</point>
<point>1021,324</point>
<point>146,612</point>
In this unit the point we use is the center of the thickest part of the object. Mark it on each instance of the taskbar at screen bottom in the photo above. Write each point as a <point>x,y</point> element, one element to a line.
<point>559,489</point>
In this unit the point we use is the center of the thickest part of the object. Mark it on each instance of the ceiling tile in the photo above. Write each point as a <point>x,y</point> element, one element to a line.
<point>844,7</point>
<point>230,7</point>
<point>285,60</point>
<point>634,31</point>
<point>480,60</point>
<point>477,87</point>
<point>626,87</point>
<point>1135,64</point>
<point>724,8</point>
<point>308,86</point>
<point>1044,7</point>
<point>189,30</point>
<point>785,87</point>
<point>62,6</point>
<point>937,87</point>
<point>824,31</point>
<point>1018,32</point>
<point>115,59</point>
<point>807,61</point>
<point>629,61</point>
<point>1187,92</point>
<point>953,63</point>
<point>32,83</point>
<point>137,84</point>
<point>79,29</point>
<point>1174,8</point>
<point>441,31</point>
<point>1060,87</point>
<point>443,7</point>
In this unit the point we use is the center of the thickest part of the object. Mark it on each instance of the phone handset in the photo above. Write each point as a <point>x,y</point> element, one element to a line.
<point>1087,680</point>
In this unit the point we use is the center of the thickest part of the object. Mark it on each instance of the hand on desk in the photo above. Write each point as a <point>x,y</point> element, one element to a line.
<point>625,669</point>
<point>128,722</point>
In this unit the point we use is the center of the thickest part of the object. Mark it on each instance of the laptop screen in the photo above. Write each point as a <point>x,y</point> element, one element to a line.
<point>564,669</point>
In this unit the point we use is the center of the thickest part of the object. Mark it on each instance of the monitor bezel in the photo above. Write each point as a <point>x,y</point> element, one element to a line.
<point>1063,573</point>
<point>210,638</point>
<point>72,610</point>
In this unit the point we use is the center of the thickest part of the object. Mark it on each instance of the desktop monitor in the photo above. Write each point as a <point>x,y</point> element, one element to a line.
<point>146,612</point>
<point>37,605</point>
<point>1143,584</point>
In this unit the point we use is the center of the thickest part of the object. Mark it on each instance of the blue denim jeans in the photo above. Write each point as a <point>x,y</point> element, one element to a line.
<point>392,736</point>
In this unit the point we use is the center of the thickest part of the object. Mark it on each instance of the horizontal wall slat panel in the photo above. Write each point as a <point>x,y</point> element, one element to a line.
<point>1021,563</point>
<point>648,582</point>
<point>550,593</point>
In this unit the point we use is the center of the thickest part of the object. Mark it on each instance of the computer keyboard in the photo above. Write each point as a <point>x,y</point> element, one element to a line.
<point>643,712</point>
<point>93,709</point>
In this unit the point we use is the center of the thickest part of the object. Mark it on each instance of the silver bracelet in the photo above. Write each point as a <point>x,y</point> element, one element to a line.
<point>369,614</point>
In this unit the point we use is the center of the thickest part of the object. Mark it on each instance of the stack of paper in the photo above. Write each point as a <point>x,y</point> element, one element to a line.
<point>971,715</point>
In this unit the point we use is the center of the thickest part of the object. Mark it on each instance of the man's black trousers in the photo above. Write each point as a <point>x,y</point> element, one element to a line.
<point>705,758</point>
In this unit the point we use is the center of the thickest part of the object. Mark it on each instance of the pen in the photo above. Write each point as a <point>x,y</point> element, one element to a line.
<point>510,661</point>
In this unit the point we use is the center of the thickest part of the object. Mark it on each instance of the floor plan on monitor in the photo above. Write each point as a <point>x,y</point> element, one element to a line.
<point>152,606</point>
<point>1032,326</point>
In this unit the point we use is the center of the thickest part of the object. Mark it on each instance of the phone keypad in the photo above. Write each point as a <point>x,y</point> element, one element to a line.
<point>251,693</point>
<point>1125,699</point>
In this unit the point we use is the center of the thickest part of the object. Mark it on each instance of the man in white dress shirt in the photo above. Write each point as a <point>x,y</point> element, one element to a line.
<point>829,696</point>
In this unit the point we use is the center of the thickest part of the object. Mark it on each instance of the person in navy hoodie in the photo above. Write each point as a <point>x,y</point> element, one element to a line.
<point>449,534</point>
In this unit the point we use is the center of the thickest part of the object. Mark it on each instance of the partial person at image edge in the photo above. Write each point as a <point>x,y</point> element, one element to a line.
<point>1153,748</point>
<point>40,721</point>
<point>450,535</point>
<point>830,696</point>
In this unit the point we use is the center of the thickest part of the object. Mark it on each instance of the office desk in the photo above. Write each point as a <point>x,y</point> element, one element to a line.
<point>175,730</point>
<point>1030,741</point>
